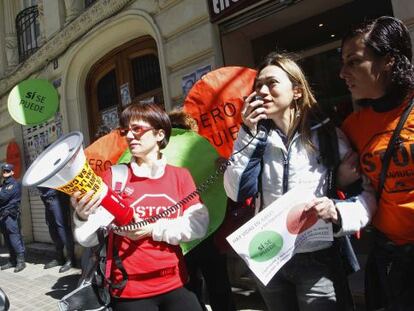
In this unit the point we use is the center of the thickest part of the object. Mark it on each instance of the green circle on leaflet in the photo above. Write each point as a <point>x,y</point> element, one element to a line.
<point>265,245</point>
<point>33,101</point>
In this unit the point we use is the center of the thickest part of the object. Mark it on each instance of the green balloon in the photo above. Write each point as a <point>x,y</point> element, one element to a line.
<point>188,149</point>
<point>265,245</point>
<point>33,101</point>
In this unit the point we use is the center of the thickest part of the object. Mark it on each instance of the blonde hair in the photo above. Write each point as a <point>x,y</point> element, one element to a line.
<point>307,105</point>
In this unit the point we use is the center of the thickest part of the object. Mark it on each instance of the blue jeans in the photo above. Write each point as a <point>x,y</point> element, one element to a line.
<point>57,215</point>
<point>309,282</point>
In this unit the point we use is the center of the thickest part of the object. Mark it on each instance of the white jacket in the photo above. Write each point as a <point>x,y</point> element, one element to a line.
<point>287,168</point>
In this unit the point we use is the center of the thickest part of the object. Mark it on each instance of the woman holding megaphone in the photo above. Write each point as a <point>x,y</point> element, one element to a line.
<point>150,255</point>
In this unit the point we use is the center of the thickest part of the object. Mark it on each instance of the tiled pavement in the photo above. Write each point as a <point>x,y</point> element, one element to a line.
<point>35,288</point>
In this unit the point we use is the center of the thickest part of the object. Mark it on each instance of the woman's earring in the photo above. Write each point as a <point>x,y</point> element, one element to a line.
<point>297,111</point>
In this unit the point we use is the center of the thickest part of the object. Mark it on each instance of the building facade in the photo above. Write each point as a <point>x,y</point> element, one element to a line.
<point>101,54</point>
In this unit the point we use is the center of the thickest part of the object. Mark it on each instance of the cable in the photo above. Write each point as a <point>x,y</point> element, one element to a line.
<point>203,187</point>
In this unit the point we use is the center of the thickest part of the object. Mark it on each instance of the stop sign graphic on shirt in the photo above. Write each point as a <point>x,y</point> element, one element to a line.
<point>153,204</point>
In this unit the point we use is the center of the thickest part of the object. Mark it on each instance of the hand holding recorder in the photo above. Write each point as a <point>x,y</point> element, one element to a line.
<point>253,111</point>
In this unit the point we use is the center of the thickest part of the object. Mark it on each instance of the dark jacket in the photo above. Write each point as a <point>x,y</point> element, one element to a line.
<point>10,197</point>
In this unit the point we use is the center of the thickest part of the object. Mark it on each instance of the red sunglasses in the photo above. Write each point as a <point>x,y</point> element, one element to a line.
<point>137,130</point>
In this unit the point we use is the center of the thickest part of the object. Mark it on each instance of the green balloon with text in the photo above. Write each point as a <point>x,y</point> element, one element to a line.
<point>265,245</point>
<point>33,101</point>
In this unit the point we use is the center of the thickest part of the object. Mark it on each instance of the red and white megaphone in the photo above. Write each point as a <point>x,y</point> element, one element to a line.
<point>63,166</point>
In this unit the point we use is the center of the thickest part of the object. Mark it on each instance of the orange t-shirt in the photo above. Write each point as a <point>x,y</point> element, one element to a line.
<point>369,132</point>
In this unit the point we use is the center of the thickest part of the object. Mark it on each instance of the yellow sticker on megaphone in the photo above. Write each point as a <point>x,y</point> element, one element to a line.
<point>84,181</point>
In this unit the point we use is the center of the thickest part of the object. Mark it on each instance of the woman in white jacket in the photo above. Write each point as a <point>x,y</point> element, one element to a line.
<point>150,255</point>
<point>280,150</point>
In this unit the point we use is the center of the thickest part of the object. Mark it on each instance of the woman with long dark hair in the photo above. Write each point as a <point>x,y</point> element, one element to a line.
<point>378,71</point>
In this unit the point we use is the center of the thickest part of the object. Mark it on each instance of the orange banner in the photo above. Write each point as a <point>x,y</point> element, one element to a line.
<point>105,151</point>
<point>215,102</point>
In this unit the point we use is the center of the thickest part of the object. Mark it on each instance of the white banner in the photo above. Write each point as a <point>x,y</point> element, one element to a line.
<point>268,240</point>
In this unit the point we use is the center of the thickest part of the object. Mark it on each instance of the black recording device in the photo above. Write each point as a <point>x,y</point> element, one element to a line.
<point>261,123</point>
<point>257,97</point>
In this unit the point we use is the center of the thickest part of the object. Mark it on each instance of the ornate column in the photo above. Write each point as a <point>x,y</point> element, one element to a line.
<point>10,12</point>
<point>72,8</point>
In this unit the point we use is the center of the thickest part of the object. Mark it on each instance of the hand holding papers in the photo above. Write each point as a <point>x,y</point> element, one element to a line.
<point>268,240</point>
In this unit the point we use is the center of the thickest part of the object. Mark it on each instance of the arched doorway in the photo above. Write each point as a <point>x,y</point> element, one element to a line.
<point>131,71</point>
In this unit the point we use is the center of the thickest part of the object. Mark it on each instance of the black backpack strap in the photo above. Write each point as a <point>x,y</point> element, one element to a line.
<point>330,157</point>
<point>394,140</point>
<point>329,154</point>
<point>102,266</point>
<point>259,185</point>
<point>121,268</point>
<point>100,254</point>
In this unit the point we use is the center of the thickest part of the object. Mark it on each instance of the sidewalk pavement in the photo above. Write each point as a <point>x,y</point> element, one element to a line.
<point>36,289</point>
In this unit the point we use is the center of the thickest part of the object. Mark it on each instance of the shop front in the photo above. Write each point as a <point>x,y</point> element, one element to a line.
<point>310,29</point>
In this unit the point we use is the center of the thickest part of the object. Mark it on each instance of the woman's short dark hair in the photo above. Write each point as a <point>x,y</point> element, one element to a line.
<point>387,35</point>
<point>153,114</point>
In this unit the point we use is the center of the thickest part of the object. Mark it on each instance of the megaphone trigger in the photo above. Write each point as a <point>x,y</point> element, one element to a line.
<point>116,206</point>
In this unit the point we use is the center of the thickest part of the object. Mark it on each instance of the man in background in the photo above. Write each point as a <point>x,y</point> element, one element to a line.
<point>57,214</point>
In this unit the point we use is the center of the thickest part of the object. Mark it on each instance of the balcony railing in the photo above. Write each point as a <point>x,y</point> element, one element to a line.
<point>27,29</point>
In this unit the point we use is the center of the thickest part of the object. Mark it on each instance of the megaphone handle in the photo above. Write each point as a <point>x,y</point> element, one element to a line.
<point>114,204</point>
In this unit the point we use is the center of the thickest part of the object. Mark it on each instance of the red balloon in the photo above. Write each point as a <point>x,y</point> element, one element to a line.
<point>215,102</point>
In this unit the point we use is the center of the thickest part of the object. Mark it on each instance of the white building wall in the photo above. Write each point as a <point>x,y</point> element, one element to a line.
<point>190,39</point>
<point>53,17</point>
